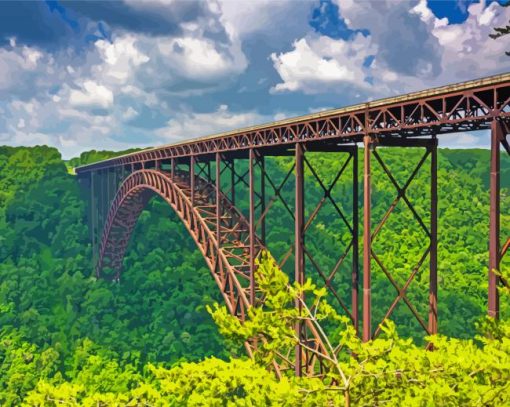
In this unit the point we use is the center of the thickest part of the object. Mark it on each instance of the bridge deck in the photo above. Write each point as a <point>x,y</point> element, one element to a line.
<point>464,106</point>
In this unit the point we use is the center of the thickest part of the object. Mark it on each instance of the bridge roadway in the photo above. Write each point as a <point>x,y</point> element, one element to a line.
<point>191,175</point>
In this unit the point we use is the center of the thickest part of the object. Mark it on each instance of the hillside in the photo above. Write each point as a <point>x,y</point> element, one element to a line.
<point>53,309</point>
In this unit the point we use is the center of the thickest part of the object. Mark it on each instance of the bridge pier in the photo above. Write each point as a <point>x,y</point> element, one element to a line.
<point>367,240</point>
<point>369,235</point>
<point>299,259</point>
<point>432,323</point>
<point>499,132</point>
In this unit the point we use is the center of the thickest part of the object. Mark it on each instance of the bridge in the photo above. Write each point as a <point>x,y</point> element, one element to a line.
<point>201,178</point>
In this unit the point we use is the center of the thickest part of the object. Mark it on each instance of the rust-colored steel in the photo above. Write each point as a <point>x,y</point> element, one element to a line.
<point>93,216</point>
<point>355,242</point>
<point>252,224</point>
<point>192,178</point>
<point>401,195</point>
<point>367,242</point>
<point>262,218</point>
<point>299,256</point>
<point>230,243</point>
<point>494,222</point>
<point>233,182</point>
<point>328,277</point>
<point>462,107</point>
<point>218,200</point>
<point>229,265</point>
<point>433,239</point>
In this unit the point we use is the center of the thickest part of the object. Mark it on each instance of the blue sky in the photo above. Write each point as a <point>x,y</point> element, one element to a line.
<point>83,75</point>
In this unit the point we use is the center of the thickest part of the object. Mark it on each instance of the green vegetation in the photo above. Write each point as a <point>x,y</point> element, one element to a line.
<point>65,337</point>
<point>386,371</point>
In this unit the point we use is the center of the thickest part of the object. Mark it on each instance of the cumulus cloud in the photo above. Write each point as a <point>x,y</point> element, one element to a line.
<point>411,48</point>
<point>19,64</point>
<point>80,98</point>
<point>402,39</point>
<point>155,71</point>
<point>200,59</point>
<point>120,58</point>
<point>322,64</point>
<point>91,94</point>
<point>190,124</point>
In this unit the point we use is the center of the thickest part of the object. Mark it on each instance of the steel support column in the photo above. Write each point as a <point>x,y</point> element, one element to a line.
<point>232,182</point>
<point>251,177</point>
<point>107,180</point>
<point>367,241</point>
<point>173,165</point>
<point>192,178</point>
<point>494,222</point>
<point>299,266</point>
<point>355,242</point>
<point>93,216</point>
<point>262,165</point>
<point>113,186</point>
<point>218,199</point>
<point>433,239</point>
<point>104,197</point>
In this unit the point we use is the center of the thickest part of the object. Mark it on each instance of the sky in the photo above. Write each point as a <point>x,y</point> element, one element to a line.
<point>82,75</point>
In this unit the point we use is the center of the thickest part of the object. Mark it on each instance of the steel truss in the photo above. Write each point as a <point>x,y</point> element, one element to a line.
<point>497,250</point>
<point>370,235</point>
<point>228,251</point>
<point>462,107</point>
<point>191,178</point>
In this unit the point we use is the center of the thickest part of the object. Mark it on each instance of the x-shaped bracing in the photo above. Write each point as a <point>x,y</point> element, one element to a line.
<point>401,195</point>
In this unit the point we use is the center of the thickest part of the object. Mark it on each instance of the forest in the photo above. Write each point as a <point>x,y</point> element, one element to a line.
<point>162,337</point>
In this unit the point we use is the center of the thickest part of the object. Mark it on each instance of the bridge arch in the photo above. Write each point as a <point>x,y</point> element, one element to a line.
<point>229,264</point>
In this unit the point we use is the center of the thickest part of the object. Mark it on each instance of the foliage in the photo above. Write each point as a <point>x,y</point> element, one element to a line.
<point>385,371</point>
<point>64,335</point>
<point>89,157</point>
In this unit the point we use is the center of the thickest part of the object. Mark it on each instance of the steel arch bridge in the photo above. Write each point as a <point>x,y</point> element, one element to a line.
<point>231,242</point>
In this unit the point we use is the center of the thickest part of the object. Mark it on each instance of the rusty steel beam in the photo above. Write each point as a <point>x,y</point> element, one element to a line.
<point>218,200</point>
<point>262,165</point>
<point>107,181</point>
<point>252,224</point>
<point>367,242</point>
<point>355,242</point>
<point>233,182</point>
<point>432,323</point>
<point>299,257</point>
<point>93,216</point>
<point>192,178</point>
<point>494,219</point>
<point>462,107</point>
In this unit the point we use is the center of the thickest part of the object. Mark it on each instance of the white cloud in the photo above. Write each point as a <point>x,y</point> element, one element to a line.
<point>322,64</point>
<point>412,50</point>
<point>89,99</point>
<point>188,125</point>
<point>199,58</point>
<point>91,95</point>
<point>246,18</point>
<point>120,59</point>
<point>18,65</point>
